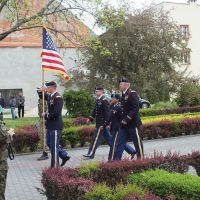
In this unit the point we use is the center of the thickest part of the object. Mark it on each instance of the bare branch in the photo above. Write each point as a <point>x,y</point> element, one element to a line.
<point>3,3</point>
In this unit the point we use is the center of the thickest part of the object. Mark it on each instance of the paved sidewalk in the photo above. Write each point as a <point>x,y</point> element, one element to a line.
<point>24,174</point>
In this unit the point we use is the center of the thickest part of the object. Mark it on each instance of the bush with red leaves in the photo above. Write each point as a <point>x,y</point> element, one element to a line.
<point>162,129</point>
<point>25,138</point>
<point>85,134</point>
<point>80,121</point>
<point>194,160</point>
<point>190,126</point>
<point>166,128</point>
<point>63,184</point>
<point>116,172</point>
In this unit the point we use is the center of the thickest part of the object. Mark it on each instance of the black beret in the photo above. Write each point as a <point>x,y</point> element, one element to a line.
<point>98,88</point>
<point>117,96</point>
<point>51,83</point>
<point>124,80</point>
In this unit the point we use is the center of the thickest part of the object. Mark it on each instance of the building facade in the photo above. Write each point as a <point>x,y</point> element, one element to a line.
<point>187,16</point>
<point>20,61</point>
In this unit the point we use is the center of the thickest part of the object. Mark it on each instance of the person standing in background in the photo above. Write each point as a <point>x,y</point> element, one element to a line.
<point>20,104</point>
<point>1,107</point>
<point>12,104</point>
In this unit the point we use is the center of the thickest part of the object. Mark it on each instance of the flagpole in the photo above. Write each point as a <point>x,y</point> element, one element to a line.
<point>43,110</point>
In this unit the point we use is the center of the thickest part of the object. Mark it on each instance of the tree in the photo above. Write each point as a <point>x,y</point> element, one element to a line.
<point>189,94</point>
<point>24,14</point>
<point>145,47</point>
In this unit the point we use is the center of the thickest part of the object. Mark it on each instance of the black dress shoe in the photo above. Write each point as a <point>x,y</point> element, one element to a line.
<point>133,155</point>
<point>87,157</point>
<point>44,156</point>
<point>64,160</point>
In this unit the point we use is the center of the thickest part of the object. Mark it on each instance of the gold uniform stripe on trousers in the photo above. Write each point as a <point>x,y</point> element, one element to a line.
<point>139,143</point>
<point>99,130</point>
<point>114,145</point>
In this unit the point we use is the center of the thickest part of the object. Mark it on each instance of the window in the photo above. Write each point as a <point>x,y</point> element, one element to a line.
<point>185,57</point>
<point>7,93</point>
<point>184,31</point>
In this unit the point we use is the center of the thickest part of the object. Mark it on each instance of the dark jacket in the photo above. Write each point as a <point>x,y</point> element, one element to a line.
<point>115,117</point>
<point>12,102</point>
<point>54,111</point>
<point>20,100</point>
<point>130,109</point>
<point>101,112</point>
<point>2,104</point>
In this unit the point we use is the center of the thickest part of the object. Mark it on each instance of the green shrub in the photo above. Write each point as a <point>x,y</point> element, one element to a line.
<point>99,192</point>
<point>186,110</point>
<point>165,104</point>
<point>68,122</point>
<point>79,103</point>
<point>86,169</point>
<point>165,184</point>
<point>189,94</point>
<point>121,192</point>
<point>71,135</point>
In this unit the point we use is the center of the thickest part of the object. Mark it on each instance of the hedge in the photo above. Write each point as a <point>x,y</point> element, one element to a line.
<point>165,184</point>
<point>26,138</point>
<point>65,184</point>
<point>178,110</point>
<point>121,192</point>
<point>107,178</point>
<point>166,128</point>
<point>163,129</point>
<point>172,117</point>
<point>113,173</point>
<point>77,134</point>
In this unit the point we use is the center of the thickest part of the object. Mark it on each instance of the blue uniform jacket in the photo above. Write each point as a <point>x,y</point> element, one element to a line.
<point>101,112</point>
<point>130,109</point>
<point>54,111</point>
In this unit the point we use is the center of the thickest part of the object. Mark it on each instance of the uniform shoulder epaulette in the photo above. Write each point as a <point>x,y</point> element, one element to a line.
<point>104,99</point>
<point>58,96</point>
<point>133,91</point>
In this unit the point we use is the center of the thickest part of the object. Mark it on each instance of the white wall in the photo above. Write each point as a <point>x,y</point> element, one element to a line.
<point>188,14</point>
<point>21,68</point>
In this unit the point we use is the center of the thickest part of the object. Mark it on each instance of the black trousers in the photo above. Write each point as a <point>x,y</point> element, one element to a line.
<point>20,110</point>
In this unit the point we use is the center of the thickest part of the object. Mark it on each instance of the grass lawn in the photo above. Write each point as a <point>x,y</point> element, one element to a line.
<point>21,122</point>
<point>24,121</point>
<point>150,119</point>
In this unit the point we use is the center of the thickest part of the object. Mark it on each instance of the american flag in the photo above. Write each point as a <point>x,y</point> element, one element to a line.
<point>51,60</point>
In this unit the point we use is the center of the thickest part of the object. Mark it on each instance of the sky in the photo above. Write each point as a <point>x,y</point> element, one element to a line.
<point>89,21</point>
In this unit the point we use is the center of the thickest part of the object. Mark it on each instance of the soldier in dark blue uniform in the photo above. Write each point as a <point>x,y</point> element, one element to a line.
<point>54,122</point>
<point>100,114</point>
<point>115,124</point>
<point>131,122</point>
